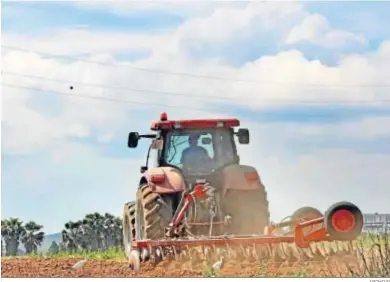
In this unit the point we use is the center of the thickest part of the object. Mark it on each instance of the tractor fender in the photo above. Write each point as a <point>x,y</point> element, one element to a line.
<point>240,178</point>
<point>173,180</point>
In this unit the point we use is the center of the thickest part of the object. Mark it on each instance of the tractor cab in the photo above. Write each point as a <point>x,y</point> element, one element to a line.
<point>195,147</point>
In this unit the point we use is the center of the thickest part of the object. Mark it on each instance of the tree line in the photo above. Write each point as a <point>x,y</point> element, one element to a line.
<point>94,232</point>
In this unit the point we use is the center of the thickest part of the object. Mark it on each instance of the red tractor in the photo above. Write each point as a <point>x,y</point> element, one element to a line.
<point>183,155</point>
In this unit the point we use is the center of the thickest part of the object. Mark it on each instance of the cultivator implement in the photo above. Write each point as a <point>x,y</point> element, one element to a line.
<point>301,238</point>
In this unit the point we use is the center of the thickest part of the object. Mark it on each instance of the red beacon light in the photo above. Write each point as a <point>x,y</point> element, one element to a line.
<point>163,117</point>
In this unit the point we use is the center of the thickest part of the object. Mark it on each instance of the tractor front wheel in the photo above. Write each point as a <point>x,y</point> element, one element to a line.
<point>128,226</point>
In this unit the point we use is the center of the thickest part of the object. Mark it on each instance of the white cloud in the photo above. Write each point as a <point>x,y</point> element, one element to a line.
<point>81,40</point>
<point>365,128</point>
<point>292,179</point>
<point>316,29</point>
<point>284,78</point>
<point>106,138</point>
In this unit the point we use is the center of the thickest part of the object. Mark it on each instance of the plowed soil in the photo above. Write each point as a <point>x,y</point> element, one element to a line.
<point>62,267</point>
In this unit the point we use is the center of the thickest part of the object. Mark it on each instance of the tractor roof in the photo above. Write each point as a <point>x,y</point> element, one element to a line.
<point>164,123</point>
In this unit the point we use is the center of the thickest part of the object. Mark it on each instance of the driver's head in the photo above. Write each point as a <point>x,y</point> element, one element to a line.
<point>193,139</point>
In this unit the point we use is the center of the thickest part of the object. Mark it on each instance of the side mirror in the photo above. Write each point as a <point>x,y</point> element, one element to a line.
<point>206,141</point>
<point>143,169</point>
<point>132,142</point>
<point>243,136</point>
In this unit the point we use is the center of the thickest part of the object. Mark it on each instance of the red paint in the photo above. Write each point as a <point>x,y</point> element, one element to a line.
<point>183,210</point>
<point>163,117</point>
<point>157,178</point>
<point>173,180</point>
<point>343,220</point>
<point>252,176</point>
<point>198,191</point>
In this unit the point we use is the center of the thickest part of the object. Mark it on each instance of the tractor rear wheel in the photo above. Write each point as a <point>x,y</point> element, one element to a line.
<point>154,213</point>
<point>249,211</point>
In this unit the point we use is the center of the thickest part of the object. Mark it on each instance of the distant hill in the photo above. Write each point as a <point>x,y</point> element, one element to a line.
<point>48,240</point>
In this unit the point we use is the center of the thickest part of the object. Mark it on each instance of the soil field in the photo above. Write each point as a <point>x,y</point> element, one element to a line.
<point>334,266</point>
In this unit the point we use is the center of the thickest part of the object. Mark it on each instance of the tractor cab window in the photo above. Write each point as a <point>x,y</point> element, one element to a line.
<point>190,150</point>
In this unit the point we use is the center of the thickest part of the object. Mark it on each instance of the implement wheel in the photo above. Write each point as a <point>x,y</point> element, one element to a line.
<point>344,221</point>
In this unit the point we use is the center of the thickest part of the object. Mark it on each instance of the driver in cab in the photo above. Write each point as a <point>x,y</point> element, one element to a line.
<point>195,156</point>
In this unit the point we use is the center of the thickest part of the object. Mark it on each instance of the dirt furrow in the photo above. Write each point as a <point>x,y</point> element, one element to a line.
<point>62,267</point>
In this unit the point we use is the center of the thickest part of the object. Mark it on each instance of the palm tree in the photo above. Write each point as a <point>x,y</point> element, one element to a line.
<point>118,231</point>
<point>12,231</point>
<point>2,247</point>
<point>33,237</point>
<point>71,236</point>
<point>93,225</point>
<point>94,232</point>
<point>109,230</point>
<point>113,230</point>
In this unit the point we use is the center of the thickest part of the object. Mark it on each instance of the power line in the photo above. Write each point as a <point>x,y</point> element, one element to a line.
<point>103,98</point>
<point>111,99</point>
<point>116,87</point>
<point>167,72</point>
<point>187,94</point>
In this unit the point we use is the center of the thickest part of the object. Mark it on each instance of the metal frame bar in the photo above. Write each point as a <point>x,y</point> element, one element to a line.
<point>299,238</point>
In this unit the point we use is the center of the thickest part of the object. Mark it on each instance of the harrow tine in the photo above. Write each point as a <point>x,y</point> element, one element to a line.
<point>344,247</point>
<point>242,251</point>
<point>340,248</point>
<point>316,252</point>
<point>328,246</point>
<point>278,253</point>
<point>297,255</point>
<point>336,248</point>
<point>183,255</point>
<point>250,253</point>
<point>322,249</point>
<point>144,254</point>
<point>268,251</point>
<point>307,252</point>
<point>254,253</point>
<point>158,255</point>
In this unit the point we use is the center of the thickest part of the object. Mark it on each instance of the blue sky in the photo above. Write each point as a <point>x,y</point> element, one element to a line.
<point>42,16</point>
<point>63,157</point>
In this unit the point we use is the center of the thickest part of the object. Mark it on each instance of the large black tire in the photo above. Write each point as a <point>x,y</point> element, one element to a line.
<point>128,226</point>
<point>249,211</point>
<point>355,229</point>
<point>153,214</point>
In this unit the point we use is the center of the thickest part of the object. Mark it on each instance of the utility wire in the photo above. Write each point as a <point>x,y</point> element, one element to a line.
<point>103,98</point>
<point>112,99</point>
<point>116,87</point>
<point>296,101</point>
<point>166,72</point>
